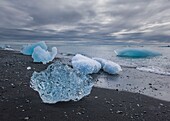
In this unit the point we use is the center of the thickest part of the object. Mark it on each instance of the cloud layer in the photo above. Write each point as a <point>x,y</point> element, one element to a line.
<point>146,20</point>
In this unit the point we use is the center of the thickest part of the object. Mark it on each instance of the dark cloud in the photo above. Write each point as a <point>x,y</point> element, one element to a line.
<point>93,19</point>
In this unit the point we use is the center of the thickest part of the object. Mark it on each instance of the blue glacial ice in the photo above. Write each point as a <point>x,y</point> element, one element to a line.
<point>29,49</point>
<point>109,66</point>
<point>61,83</point>
<point>85,65</point>
<point>44,56</point>
<point>136,53</point>
<point>39,52</point>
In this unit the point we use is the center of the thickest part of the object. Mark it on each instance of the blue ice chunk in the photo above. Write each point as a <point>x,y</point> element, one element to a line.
<point>28,49</point>
<point>6,47</point>
<point>85,65</point>
<point>61,83</point>
<point>136,53</point>
<point>44,56</point>
<point>109,66</point>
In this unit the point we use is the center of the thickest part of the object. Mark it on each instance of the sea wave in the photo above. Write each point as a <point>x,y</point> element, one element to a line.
<point>153,69</point>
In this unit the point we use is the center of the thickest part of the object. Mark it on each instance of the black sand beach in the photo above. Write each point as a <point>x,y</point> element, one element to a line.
<point>19,102</point>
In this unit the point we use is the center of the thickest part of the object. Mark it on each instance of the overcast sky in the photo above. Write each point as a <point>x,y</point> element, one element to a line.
<point>91,19</point>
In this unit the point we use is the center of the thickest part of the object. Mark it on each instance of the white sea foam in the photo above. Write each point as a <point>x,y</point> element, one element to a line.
<point>127,64</point>
<point>153,69</point>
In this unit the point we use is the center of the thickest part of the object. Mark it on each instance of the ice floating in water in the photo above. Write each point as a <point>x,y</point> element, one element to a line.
<point>85,65</point>
<point>61,83</point>
<point>136,53</point>
<point>153,69</point>
<point>29,49</point>
<point>6,47</point>
<point>41,55</point>
<point>109,66</point>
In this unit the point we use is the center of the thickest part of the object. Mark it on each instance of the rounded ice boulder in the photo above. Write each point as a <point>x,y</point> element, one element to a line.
<point>109,66</point>
<point>85,65</point>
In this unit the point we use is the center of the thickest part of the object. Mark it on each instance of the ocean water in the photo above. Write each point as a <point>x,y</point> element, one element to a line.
<point>158,64</point>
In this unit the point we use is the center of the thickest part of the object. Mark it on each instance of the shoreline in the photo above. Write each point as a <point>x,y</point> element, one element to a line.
<point>19,102</point>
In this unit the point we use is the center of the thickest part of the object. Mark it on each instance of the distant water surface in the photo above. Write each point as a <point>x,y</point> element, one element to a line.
<point>158,64</point>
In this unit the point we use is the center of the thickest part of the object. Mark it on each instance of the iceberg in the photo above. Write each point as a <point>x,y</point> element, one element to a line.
<point>29,49</point>
<point>109,66</point>
<point>44,56</point>
<point>136,53</point>
<point>85,65</point>
<point>61,83</point>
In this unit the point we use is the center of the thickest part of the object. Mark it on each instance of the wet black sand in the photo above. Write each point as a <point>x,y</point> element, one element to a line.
<point>19,102</point>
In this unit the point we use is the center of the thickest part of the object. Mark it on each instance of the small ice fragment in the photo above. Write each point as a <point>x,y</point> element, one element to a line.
<point>28,49</point>
<point>44,56</point>
<point>136,53</point>
<point>112,68</point>
<point>85,65</point>
<point>96,97</point>
<point>61,83</point>
<point>119,112</point>
<point>26,118</point>
<point>109,66</point>
<point>28,68</point>
<point>6,47</point>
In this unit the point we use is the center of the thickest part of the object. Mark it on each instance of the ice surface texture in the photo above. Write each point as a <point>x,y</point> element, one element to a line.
<point>41,55</point>
<point>109,66</point>
<point>136,53</point>
<point>85,65</point>
<point>29,49</point>
<point>61,83</point>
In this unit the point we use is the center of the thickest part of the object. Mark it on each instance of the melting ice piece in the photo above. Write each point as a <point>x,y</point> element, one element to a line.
<point>6,47</point>
<point>44,56</point>
<point>61,83</point>
<point>85,65</point>
<point>109,66</point>
<point>28,68</point>
<point>29,49</point>
<point>136,53</point>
